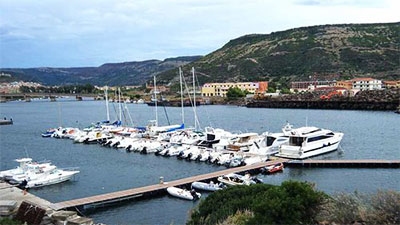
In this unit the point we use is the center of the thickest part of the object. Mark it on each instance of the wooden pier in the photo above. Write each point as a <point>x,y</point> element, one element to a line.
<point>119,196</point>
<point>365,163</point>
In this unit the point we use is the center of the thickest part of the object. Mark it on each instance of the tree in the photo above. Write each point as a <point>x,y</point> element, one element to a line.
<point>235,92</point>
<point>293,202</point>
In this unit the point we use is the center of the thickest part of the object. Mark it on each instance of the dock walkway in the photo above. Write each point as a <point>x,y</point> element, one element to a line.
<point>341,163</point>
<point>103,199</point>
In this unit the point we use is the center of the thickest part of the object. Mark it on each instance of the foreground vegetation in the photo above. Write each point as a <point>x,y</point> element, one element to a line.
<point>295,203</point>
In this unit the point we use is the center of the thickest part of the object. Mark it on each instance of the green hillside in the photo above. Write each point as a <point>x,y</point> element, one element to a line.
<point>317,52</point>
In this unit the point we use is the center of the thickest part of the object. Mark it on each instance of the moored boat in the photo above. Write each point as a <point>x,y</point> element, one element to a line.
<point>191,195</point>
<point>237,179</point>
<point>211,186</point>
<point>278,167</point>
<point>305,142</point>
<point>52,177</point>
<point>6,121</point>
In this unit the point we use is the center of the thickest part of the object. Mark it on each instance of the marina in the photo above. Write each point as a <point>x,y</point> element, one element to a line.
<point>98,165</point>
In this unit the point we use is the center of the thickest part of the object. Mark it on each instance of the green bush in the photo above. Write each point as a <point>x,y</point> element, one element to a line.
<point>291,203</point>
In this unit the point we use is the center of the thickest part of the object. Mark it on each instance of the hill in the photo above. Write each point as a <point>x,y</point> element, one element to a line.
<point>324,52</point>
<point>112,74</point>
<point>318,52</point>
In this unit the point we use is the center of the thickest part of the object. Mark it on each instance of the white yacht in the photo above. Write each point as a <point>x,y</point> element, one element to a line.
<point>305,142</point>
<point>51,177</point>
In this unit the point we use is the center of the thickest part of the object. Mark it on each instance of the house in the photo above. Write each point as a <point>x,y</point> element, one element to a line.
<point>220,89</point>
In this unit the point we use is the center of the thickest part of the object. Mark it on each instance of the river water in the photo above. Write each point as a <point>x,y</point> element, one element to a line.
<point>368,135</point>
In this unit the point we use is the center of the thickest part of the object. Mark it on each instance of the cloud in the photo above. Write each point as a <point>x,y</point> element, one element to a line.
<point>90,33</point>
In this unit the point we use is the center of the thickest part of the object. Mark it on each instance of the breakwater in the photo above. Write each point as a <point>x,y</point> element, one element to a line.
<point>321,104</point>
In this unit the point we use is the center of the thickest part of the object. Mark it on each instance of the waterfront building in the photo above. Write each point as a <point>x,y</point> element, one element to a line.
<point>391,84</point>
<point>348,84</point>
<point>310,85</point>
<point>220,89</point>
<point>368,83</point>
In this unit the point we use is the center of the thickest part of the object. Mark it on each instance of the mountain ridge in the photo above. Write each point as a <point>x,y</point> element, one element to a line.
<point>321,52</point>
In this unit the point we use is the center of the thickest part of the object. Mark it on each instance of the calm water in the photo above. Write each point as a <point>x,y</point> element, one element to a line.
<point>368,135</point>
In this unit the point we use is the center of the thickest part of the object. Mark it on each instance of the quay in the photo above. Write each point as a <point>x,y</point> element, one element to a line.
<point>105,199</point>
<point>365,163</point>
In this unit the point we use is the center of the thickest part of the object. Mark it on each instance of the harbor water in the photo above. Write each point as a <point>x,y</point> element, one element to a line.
<point>367,135</point>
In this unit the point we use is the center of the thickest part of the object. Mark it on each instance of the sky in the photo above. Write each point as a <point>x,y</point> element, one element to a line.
<point>78,33</point>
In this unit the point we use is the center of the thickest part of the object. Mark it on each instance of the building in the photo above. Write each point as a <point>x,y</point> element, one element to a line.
<point>368,83</point>
<point>309,85</point>
<point>391,84</point>
<point>220,89</point>
<point>348,84</point>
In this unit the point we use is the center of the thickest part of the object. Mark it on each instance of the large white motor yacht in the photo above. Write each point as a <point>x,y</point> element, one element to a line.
<point>305,142</point>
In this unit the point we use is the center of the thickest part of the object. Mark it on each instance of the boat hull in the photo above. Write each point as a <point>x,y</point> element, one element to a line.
<point>183,194</point>
<point>297,153</point>
<point>51,180</point>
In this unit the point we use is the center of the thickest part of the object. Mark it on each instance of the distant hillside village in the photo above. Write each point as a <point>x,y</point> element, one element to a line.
<point>345,88</point>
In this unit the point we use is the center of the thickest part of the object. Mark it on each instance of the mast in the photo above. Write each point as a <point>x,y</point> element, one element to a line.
<point>180,79</point>
<point>155,99</point>
<point>108,110</point>
<point>119,100</point>
<point>194,101</point>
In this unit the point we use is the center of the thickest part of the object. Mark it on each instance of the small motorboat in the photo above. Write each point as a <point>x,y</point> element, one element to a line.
<point>6,121</point>
<point>207,186</point>
<point>237,179</point>
<point>191,195</point>
<point>273,168</point>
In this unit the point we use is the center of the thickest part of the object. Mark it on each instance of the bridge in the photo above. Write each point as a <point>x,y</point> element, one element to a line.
<point>4,97</point>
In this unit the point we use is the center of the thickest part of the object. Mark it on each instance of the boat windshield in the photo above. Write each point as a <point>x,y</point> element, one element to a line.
<point>270,140</point>
<point>296,141</point>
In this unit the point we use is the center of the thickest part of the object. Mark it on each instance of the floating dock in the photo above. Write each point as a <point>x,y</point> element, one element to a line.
<point>365,163</point>
<point>119,196</point>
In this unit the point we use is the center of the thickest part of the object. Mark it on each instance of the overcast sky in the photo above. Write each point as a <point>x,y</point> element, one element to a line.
<point>74,33</point>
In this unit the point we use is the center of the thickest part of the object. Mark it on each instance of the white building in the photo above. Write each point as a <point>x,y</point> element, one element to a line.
<point>364,84</point>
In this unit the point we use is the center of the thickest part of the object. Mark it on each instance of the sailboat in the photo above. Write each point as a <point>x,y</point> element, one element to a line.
<point>153,129</point>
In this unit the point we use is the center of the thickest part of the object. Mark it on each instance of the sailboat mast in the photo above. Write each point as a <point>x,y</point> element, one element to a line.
<point>194,101</point>
<point>183,112</point>
<point>108,110</point>
<point>119,100</point>
<point>155,99</point>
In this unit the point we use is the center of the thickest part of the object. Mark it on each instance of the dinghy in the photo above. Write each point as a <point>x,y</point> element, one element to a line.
<point>191,195</point>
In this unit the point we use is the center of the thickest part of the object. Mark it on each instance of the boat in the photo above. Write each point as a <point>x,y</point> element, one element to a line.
<point>32,174</point>
<point>51,177</point>
<point>6,121</point>
<point>237,179</point>
<point>48,133</point>
<point>191,195</point>
<point>270,144</point>
<point>306,142</point>
<point>23,166</point>
<point>278,167</point>
<point>207,186</point>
